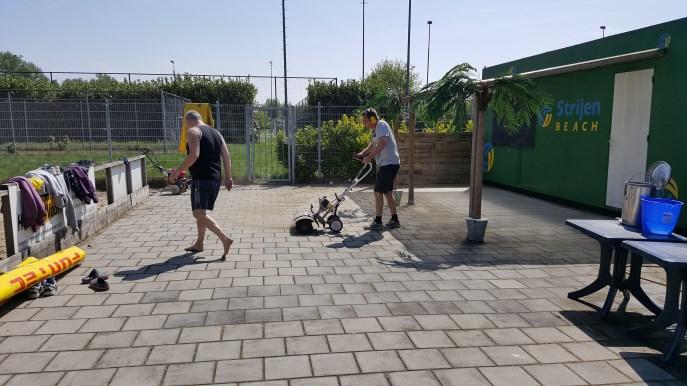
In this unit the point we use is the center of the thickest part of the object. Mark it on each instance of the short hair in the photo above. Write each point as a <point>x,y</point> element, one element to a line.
<point>370,112</point>
<point>193,115</point>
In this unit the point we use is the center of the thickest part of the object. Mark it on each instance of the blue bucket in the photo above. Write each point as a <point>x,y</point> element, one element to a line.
<point>660,215</point>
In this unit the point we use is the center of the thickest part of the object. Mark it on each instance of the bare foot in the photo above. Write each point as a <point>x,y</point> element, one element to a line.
<point>195,248</point>
<point>227,244</point>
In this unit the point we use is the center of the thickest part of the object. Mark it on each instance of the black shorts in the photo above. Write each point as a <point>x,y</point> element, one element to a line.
<point>385,178</point>
<point>204,193</point>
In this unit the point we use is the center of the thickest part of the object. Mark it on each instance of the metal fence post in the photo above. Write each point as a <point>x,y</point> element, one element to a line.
<point>83,134</point>
<point>249,163</point>
<point>290,149</point>
<point>217,121</point>
<point>138,139</point>
<point>319,139</point>
<point>88,119</point>
<point>14,140</point>
<point>108,128</point>
<point>164,121</point>
<point>26,125</point>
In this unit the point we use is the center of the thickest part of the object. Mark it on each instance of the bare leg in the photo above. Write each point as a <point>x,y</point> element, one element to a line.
<point>210,223</point>
<point>379,204</point>
<point>391,201</point>
<point>201,232</point>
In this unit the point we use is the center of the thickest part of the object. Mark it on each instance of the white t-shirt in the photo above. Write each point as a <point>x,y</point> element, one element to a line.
<point>388,155</point>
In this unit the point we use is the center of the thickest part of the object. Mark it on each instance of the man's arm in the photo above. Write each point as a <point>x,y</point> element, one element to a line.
<point>226,159</point>
<point>364,152</point>
<point>193,140</point>
<point>381,144</point>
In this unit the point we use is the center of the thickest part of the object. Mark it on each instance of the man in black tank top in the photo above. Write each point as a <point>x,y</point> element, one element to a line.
<point>206,151</point>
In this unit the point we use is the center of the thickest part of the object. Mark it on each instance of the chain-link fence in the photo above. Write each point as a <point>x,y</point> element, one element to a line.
<point>317,146</point>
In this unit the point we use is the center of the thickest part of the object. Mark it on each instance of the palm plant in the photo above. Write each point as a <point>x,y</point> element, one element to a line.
<point>514,99</point>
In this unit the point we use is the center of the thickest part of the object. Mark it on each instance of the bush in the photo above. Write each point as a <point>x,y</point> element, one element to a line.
<point>340,140</point>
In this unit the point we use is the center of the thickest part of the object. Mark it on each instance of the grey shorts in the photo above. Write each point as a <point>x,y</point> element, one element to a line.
<point>204,193</point>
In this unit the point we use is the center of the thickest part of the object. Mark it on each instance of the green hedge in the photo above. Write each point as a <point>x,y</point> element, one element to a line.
<point>340,140</point>
<point>197,89</point>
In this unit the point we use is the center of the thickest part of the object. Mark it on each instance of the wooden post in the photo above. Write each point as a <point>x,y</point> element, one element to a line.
<point>411,159</point>
<point>481,99</point>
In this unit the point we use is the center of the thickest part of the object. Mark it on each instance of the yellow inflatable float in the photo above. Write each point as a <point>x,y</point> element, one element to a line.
<point>32,271</point>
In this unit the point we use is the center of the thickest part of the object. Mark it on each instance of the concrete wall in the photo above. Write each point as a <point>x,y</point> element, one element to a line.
<point>439,159</point>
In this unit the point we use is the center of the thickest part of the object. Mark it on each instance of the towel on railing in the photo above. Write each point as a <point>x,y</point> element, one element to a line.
<point>80,184</point>
<point>33,211</point>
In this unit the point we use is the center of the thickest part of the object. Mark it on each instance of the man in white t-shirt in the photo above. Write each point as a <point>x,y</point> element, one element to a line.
<point>384,150</point>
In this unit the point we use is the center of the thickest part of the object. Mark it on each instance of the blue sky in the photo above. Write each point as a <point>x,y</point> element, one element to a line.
<point>323,36</point>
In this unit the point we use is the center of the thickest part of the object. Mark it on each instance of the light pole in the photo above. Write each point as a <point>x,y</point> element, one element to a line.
<point>408,54</point>
<point>363,3</point>
<point>174,72</point>
<point>603,31</point>
<point>429,40</point>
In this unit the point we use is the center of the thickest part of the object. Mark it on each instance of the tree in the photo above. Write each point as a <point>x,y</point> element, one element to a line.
<point>15,63</point>
<point>514,99</point>
<point>386,85</point>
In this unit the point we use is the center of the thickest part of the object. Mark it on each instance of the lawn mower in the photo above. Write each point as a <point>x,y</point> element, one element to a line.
<point>326,214</point>
<point>181,183</point>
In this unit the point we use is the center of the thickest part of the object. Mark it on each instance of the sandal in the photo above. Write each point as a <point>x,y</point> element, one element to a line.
<point>99,284</point>
<point>193,249</point>
<point>94,274</point>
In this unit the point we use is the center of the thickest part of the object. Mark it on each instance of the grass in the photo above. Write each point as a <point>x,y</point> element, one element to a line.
<point>265,165</point>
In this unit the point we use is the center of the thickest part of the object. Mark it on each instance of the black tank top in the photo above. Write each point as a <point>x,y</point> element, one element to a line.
<point>208,165</point>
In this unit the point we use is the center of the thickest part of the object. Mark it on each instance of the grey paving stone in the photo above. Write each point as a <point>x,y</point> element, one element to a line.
<point>546,335</point>
<point>171,308</point>
<point>554,374</point>
<point>352,326</point>
<point>103,325</point>
<point>27,379</point>
<point>67,342</point>
<point>423,359</point>
<point>508,376</point>
<point>508,355</point>
<point>322,327</point>
<point>508,336</point>
<point>307,345</point>
<point>112,339</point>
<point>399,323</point>
<point>240,370</point>
<point>349,342</point>
<point>436,322</point>
<point>550,353</point>
<point>26,363</point>
<point>74,360</point>
<point>185,320</point>
<point>379,361</point>
<point>590,351</point>
<point>220,318</point>
<point>317,381</point>
<point>461,377</point>
<point>145,322</point>
<point>390,340</point>
<point>19,328</point>
<point>190,373</point>
<point>363,379</point>
<point>413,378</point>
<point>95,377</point>
<point>258,348</point>
<point>366,310</point>
<point>121,357</point>
<point>157,337</point>
<point>300,313</point>
<point>430,339</point>
<point>641,370</point>
<point>178,353</point>
<point>242,331</point>
<point>134,310</point>
<point>507,320</point>
<point>472,321</point>
<point>598,372</point>
<point>139,376</point>
<point>399,309</point>
<point>283,329</point>
<point>214,351</point>
<point>466,357</point>
<point>287,367</point>
<point>337,312</point>
<point>333,364</point>
<point>16,344</point>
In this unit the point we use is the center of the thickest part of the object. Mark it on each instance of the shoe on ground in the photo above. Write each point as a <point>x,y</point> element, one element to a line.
<point>393,224</point>
<point>49,287</point>
<point>34,292</point>
<point>99,284</point>
<point>94,274</point>
<point>375,226</point>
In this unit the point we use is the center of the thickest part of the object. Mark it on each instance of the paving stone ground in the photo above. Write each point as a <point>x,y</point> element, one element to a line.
<point>413,306</point>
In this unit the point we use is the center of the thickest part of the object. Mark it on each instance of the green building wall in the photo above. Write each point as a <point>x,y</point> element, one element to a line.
<point>572,164</point>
